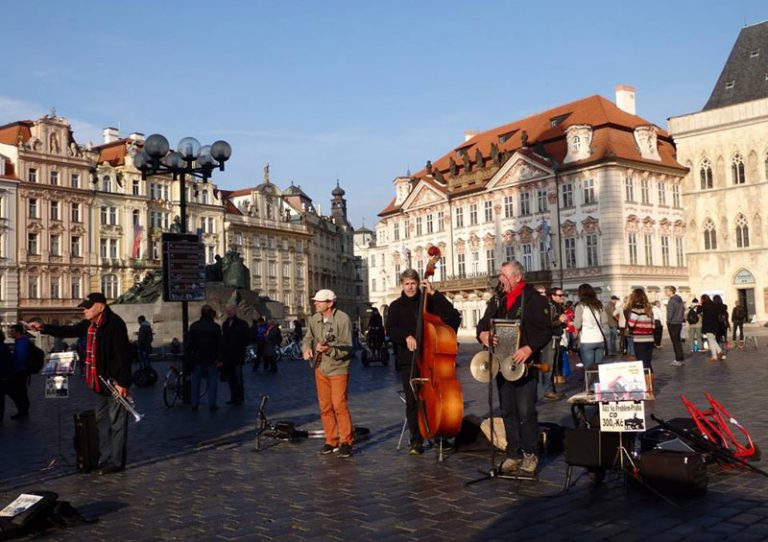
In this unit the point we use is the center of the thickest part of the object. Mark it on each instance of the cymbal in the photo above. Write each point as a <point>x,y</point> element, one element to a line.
<point>479,366</point>
<point>511,370</point>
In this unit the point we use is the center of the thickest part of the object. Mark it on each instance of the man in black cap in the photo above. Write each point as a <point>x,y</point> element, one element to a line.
<point>107,357</point>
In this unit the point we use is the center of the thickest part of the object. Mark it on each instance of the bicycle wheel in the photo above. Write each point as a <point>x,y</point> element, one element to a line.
<point>171,387</point>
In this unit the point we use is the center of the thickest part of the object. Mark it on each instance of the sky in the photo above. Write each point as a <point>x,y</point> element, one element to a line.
<point>359,91</point>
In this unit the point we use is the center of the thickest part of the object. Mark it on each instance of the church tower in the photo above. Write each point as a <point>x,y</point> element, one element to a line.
<point>339,206</point>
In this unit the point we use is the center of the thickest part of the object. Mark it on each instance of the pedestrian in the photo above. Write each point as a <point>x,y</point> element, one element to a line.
<point>272,339</point>
<point>205,356</point>
<point>572,334</point>
<point>612,312</point>
<point>723,321</point>
<point>710,325</point>
<point>693,318</point>
<point>298,332</point>
<point>107,359</point>
<point>519,301</point>
<point>235,339</point>
<point>17,384</point>
<point>403,331</point>
<point>257,334</point>
<point>675,319</point>
<point>589,319</point>
<point>327,346</point>
<point>629,345</point>
<point>658,327</point>
<point>738,317</point>
<point>552,352</point>
<point>641,323</point>
<point>7,374</point>
<point>144,343</point>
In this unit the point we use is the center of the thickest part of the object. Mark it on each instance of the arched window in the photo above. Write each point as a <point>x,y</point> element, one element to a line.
<point>742,232</point>
<point>136,219</point>
<point>576,143</point>
<point>705,173</point>
<point>737,170</point>
<point>109,286</point>
<point>710,235</point>
<point>106,183</point>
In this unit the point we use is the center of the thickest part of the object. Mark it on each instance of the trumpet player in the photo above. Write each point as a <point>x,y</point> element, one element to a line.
<point>107,356</point>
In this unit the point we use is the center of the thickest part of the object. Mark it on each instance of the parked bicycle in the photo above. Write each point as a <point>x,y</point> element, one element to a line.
<point>174,384</point>
<point>289,351</point>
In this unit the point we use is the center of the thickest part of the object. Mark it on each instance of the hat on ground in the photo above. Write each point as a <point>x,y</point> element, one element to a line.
<point>93,297</point>
<point>324,295</point>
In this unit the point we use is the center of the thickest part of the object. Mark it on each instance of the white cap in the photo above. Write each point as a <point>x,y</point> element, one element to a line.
<point>324,295</point>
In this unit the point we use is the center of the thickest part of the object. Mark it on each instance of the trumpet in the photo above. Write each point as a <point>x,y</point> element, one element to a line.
<point>125,402</point>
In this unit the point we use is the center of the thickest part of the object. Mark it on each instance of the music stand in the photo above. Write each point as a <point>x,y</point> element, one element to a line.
<point>59,367</point>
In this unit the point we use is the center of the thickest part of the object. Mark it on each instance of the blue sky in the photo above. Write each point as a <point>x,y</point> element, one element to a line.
<point>358,91</point>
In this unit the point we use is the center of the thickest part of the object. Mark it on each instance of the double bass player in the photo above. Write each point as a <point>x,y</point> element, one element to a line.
<point>519,300</point>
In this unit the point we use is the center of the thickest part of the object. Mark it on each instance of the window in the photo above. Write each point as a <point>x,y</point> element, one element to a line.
<point>32,175</point>
<point>525,203</point>
<point>508,208</point>
<point>459,217</point>
<point>576,143</point>
<point>113,215</point>
<point>135,217</point>
<point>55,245</point>
<point>543,255</point>
<point>32,208</point>
<point>440,221</point>
<point>396,231</point>
<point>212,224</point>
<point>527,256</point>
<point>509,253</point>
<point>103,248</point>
<point>475,263</point>
<point>473,214</point>
<point>55,287</point>
<point>462,268</point>
<point>629,189</point>
<point>407,229</point>
<point>109,286</point>
<point>737,170</point>
<point>419,228</point>
<point>103,215</point>
<point>396,276</point>
<point>742,232</point>
<point>710,236</point>
<point>591,243</point>
<point>74,246</point>
<point>648,244</point>
<point>75,180</point>
<point>55,178</point>
<point>488,211</point>
<point>136,191</point>
<point>541,201</point>
<point>570,253</point>
<point>475,317</point>
<point>210,254</point>
<point>662,186</point>
<point>490,260</point>
<point>205,197</point>
<point>567,195</point>
<point>106,185</point>
<point>75,212</point>
<point>75,288</point>
<point>680,251</point>
<point>589,191</point>
<point>665,250</point>
<point>632,243</point>
<point>286,270</point>
<point>156,250</point>
<point>645,192</point>
<point>705,174</point>
<point>113,248</point>
<point>430,227</point>
<point>676,195</point>
<point>54,210</point>
<point>32,244</point>
<point>730,84</point>
<point>32,286</point>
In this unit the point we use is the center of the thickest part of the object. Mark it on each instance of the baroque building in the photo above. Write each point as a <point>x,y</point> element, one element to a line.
<point>9,275</point>
<point>584,192</point>
<point>725,148</point>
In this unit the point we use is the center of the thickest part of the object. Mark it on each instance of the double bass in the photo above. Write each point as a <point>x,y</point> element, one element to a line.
<point>441,404</point>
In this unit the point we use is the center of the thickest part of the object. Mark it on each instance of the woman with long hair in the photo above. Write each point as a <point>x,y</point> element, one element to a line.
<point>641,325</point>
<point>710,325</point>
<point>589,318</point>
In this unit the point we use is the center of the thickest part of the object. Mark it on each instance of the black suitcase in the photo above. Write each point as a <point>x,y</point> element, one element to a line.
<point>676,473</point>
<point>86,441</point>
<point>592,448</point>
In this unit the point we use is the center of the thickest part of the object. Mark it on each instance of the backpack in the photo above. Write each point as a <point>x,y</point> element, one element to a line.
<point>36,359</point>
<point>692,317</point>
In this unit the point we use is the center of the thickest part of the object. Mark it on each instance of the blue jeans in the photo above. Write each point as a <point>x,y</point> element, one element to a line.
<point>612,334</point>
<point>591,354</point>
<point>548,357</point>
<point>144,359</point>
<point>212,374</point>
<point>518,408</point>
<point>112,422</point>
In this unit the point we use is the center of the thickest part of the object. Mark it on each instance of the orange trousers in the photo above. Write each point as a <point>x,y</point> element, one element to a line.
<point>334,412</point>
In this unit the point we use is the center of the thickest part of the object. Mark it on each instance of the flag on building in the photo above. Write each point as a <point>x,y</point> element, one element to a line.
<point>138,236</point>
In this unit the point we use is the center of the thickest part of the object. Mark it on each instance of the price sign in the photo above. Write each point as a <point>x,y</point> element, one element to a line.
<point>622,416</point>
<point>183,267</point>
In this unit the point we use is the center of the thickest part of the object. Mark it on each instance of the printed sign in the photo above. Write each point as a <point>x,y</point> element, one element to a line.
<point>183,267</point>
<point>621,381</point>
<point>622,416</point>
<point>60,363</point>
<point>20,504</point>
<point>56,387</point>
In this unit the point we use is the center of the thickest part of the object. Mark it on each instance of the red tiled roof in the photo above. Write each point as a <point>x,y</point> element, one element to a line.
<point>9,133</point>
<point>114,152</point>
<point>230,208</point>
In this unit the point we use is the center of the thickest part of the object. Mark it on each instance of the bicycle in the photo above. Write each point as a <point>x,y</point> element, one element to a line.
<point>174,383</point>
<point>290,351</point>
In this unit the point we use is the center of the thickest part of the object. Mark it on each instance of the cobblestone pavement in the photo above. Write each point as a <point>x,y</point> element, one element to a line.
<point>196,476</point>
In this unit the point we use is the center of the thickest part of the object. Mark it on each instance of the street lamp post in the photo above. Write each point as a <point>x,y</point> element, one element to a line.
<point>188,160</point>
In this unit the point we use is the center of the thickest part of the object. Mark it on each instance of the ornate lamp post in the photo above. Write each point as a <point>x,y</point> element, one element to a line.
<point>192,160</point>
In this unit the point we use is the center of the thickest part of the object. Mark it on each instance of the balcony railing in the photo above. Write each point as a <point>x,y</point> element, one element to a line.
<point>481,281</point>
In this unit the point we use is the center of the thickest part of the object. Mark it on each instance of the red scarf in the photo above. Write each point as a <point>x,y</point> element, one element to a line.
<point>91,377</point>
<point>514,293</point>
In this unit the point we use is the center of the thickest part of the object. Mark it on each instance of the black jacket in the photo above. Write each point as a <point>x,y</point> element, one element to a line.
<point>204,342</point>
<point>403,316</point>
<point>112,349</point>
<point>236,337</point>
<point>532,309</point>
<point>710,317</point>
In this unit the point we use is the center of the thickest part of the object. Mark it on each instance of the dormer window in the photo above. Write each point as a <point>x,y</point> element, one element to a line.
<point>553,122</point>
<point>754,53</point>
<point>730,84</point>
<point>505,137</point>
<point>646,140</point>
<point>579,139</point>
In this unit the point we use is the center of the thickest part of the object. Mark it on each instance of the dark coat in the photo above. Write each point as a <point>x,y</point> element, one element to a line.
<point>532,309</point>
<point>204,341</point>
<point>112,348</point>
<point>710,317</point>
<point>403,316</point>
<point>236,336</point>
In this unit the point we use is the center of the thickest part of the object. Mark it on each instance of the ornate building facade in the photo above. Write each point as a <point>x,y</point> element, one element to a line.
<point>725,147</point>
<point>9,274</point>
<point>584,192</point>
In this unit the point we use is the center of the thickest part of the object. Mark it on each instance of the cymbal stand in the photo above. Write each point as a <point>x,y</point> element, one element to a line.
<point>264,424</point>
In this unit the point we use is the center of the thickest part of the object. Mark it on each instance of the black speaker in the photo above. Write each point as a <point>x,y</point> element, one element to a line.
<point>676,473</point>
<point>591,448</point>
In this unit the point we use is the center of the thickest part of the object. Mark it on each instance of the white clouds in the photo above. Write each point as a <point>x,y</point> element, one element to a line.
<point>12,110</point>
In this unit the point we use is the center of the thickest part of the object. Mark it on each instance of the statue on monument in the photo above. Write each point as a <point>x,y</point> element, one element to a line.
<point>234,272</point>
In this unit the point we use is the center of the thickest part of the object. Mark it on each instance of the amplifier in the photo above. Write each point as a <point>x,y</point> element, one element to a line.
<point>592,448</point>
